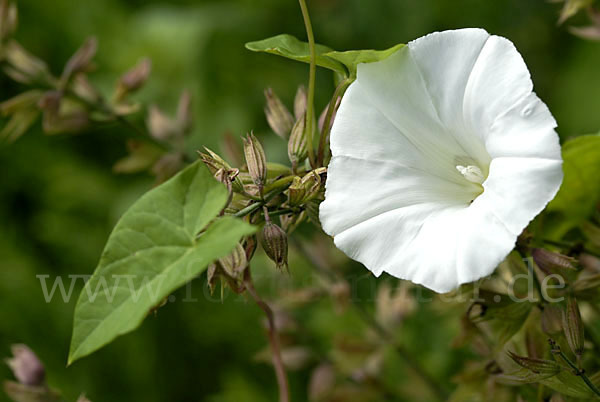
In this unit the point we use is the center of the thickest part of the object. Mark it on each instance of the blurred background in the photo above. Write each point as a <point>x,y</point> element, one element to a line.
<point>59,198</point>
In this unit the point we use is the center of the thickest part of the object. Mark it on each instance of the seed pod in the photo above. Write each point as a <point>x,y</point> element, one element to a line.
<point>573,326</point>
<point>297,148</point>
<point>256,160</point>
<point>235,263</point>
<point>278,116</point>
<point>551,262</point>
<point>26,366</point>
<point>300,102</point>
<point>538,366</point>
<point>274,242</point>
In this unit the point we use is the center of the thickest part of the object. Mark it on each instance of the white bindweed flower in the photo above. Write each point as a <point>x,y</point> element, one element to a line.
<point>442,155</point>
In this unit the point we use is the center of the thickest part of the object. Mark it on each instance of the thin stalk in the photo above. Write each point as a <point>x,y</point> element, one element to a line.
<point>282,382</point>
<point>322,269</point>
<point>578,372</point>
<point>311,84</point>
<point>323,143</point>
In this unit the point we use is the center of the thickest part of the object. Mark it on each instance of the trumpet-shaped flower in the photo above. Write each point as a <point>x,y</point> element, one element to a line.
<point>442,155</point>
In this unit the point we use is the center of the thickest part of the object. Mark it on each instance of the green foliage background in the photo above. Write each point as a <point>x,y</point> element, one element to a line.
<point>59,199</point>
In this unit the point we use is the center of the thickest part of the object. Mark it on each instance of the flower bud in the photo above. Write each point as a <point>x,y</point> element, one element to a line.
<point>26,366</point>
<point>573,326</point>
<point>278,116</point>
<point>256,160</point>
<point>214,162</point>
<point>161,126</point>
<point>81,59</point>
<point>538,366</point>
<point>274,242</point>
<point>551,262</point>
<point>22,66</point>
<point>211,277</point>
<point>8,18</point>
<point>133,79</point>
<point>235,263</point>
<point>24,100</point>
<point>300,102</point>
<point>184,112</point>
<point>297,148</point>
<point>305,189</point>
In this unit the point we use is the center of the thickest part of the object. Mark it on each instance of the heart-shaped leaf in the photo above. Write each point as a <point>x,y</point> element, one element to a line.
<point>156,247</point>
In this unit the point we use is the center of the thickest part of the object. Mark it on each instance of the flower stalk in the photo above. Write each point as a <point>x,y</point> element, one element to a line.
<point>311,83</point>
<point>282,382</point>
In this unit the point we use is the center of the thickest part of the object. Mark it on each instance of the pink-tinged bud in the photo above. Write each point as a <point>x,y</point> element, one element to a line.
<point>278,116</point>
<point>136,77</point>
<point>83,398</point>
<point>323,115</point>
<point>573,326</point>
<point>255,160</point>
<point>81,60</point>
<point>297,145</point>
<point>184,112</point>
<point>551,262</point>
<point>300,102</point>
<point>274,242</point>
<point>161,126</point>
<point>26,366</point>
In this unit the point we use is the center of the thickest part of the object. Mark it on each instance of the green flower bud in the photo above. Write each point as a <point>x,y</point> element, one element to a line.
<point>256,160</point>
<point>278,116</point>
<point>297,148</point>
<point>305,189</point>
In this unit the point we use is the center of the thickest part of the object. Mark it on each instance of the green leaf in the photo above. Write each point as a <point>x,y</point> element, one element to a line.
<point>352,58</point>
<point>154,249</point>
<point>290,47</point>
<point>580,191</point>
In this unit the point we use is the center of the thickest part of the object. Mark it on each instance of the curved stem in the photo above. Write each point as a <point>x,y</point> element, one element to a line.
<point>311,84</point>
<point>576,370</point>
<point>323,143</point>
<point>282,382</point>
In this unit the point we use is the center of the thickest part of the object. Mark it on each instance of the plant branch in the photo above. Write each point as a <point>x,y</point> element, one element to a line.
<point>578,372</point>
<point>311,84</point>
<point>282,382</point>
<point>369,320</point>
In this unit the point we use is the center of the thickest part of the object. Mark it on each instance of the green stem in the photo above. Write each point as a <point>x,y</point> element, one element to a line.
<point>311,83</point>
<point>323,143</point>
<point>578,372</point>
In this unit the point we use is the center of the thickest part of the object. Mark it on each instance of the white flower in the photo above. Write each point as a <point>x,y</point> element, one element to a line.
<point>442,155</point>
